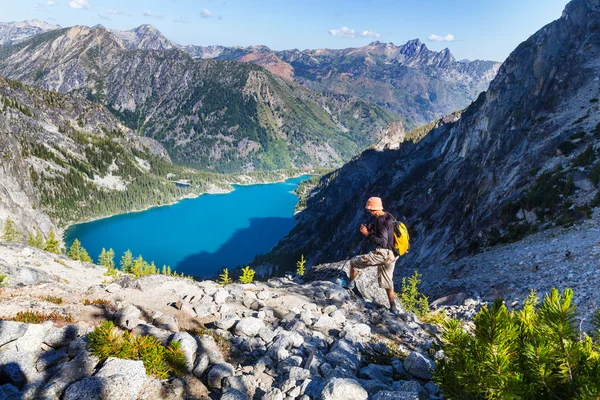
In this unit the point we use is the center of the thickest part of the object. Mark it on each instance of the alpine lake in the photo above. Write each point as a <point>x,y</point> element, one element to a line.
<point>199,236</point>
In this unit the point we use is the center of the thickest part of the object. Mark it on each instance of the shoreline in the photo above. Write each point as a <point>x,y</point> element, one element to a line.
<point>62,231</point>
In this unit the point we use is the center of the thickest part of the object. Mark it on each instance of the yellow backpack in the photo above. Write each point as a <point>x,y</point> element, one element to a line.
<point>401,238</point>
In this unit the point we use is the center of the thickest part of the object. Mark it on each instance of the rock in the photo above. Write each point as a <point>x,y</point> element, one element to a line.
<point>202,363</point>
<point>344,354</point>
<point>17,367</point>
<point>208,346</point>
<point>233,394</point>
<point>266,334</point>
<point>246,384</point>
<point>78,368</point>
<point>432,388</point>
<point>50,358</point>
<point>62,337</point>
<point>343,389</point>
<point>10,331</point>
<point>150,330</point>
<point>338,317</point>
<point>249,327</point>
<point>226,324</point>
<point>419,366</point>
<point>167,322</point>
<point>128,317</point>
<point>329,309</point>
<point>324,324</point>
<point>221,296</point>
<point>113,288</point>
<point>274,394</point>
<point>117,379</point>
<point>415,387</point>
<point>263,295</point>
<point>188,346</point>
<point>217,373</point>
<point>10,392</point>
<point>450,300</point>
<point>390,395</point>
<point>382,373</point>
<point>298,374</point>
<point>132,370</point>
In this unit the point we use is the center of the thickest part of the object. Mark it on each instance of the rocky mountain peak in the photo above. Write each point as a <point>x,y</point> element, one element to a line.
<point>15,32</point>
<point>145,37</point>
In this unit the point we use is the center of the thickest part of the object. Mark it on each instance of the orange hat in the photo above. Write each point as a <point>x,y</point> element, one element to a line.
<point>374,203</point>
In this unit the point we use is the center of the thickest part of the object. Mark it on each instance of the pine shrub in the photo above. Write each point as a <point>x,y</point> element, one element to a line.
<point>300,270</point>
<point>107,259</point>
<point>411,299</point>
<point>534,353</point>
<point>247,275</point>
<point>52,244</point>
<point>78,252</point>
<point>224,278</point>
<point>37,240</point>
<point>106,341</point>
<point>10,233</point>
<point>2,280</point>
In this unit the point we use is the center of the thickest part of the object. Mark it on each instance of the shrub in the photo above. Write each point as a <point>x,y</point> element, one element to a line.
<point>37,317</point>
<point>53,299</point>
<point>96,302</point>
<point>534,353</point>
<point>10,233</point>
<point>300,266</point>
<point>2,280</point>
<point>411,299</point>
<point>595,174</point>
<point>37,240</point>
<point>78,252</point>
<point>107,259</point>
<point>247,275</point>
<point>52,244</point>
<point>586,157</point>
<point>224,278</point>
<point>106,341</point>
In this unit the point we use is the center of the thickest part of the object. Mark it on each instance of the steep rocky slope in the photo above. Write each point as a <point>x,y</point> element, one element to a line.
<point>524,156</point>
<point>15,32</point>
<point>223,116</point>
<point>266,340</point>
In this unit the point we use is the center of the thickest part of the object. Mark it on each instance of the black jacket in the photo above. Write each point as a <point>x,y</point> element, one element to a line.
<point>383,232</point>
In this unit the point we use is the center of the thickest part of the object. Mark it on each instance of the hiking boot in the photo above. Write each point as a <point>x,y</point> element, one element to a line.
<point>395,312</point>
<point>345,283</point>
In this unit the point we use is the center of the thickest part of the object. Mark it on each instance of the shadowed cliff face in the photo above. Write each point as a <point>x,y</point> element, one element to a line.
<point>451,186</point>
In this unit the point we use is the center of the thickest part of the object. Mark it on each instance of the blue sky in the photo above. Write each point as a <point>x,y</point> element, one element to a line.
<point>472,29</point>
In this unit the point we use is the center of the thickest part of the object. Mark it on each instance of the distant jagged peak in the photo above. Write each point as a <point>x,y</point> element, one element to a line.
<point>35,23</point>
<point>144,37</point>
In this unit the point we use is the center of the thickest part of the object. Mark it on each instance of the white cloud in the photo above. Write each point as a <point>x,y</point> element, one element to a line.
<point>79,4</point>
<point>112,11</point>
<point>206,14</point>
<point>49,3</point>
<point>346,32</point>
<point>103,16</point>
<point>370,34</point>
<point>149,13</point>
<point>436,38</point>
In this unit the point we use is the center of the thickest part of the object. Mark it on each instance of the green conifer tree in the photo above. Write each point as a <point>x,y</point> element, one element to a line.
<point>84,256</point>
<point>10,232</point>
<point>52,245</point>
<point>126,261</point>
<point>74,252</point>
<point>37,240</point>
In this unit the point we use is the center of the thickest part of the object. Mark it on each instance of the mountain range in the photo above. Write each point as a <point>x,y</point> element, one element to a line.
<point>522,157</point>
<point>216,115</point>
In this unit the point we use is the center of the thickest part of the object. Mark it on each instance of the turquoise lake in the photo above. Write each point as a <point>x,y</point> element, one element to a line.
<point>198,236</point>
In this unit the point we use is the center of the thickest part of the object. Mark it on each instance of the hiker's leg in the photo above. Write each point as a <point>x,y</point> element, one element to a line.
<point>353,273</point>
<point>391,298</point>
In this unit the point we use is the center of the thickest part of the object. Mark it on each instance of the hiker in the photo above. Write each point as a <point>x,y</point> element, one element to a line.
<point>383,257</point>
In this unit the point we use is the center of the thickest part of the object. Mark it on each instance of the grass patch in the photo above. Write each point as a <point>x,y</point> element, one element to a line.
<point>106,341</point>
<point>53,299</point>
<point>37,317</point>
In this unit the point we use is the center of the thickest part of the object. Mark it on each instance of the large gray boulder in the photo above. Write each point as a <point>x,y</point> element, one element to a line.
<point>343,389</point>
<point>128,317</point>
<point>10,331</point>
<point>62,337</point>
<point>344,354</point>
<point>188,346</point>
<point>217,373</point>
<point>117,380</point>
<point>419,366</point>
<point>249,326</point>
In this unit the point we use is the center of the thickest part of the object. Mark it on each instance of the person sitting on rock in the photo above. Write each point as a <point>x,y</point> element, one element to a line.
<point>382,234</point>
